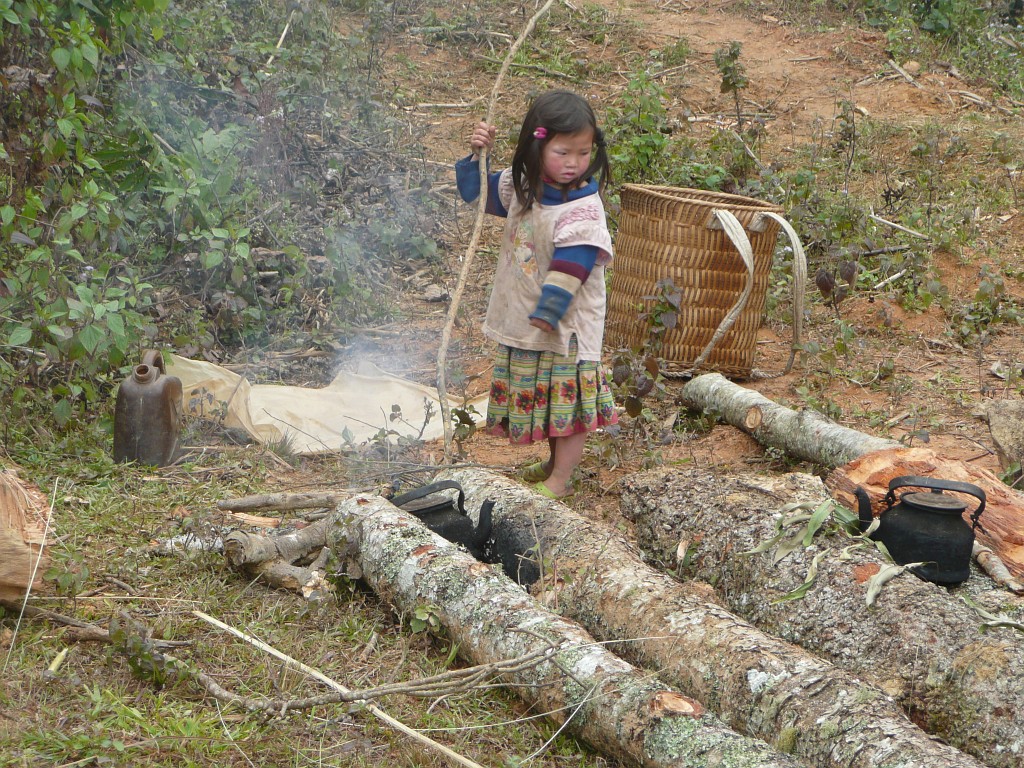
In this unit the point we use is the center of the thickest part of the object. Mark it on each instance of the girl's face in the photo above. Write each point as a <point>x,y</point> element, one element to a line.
<point>566,156</point>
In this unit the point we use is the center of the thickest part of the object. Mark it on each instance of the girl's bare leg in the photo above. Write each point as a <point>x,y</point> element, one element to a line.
<point>566,454</point>
<point>549,465</point>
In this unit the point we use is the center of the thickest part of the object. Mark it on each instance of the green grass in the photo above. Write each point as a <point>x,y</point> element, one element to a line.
<point>94,709</point>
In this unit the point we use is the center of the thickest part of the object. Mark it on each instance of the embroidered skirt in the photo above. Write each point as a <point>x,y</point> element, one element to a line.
<point>537,395</point>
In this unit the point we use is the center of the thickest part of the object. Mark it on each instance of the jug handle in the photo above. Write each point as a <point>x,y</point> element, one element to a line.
<point>154,359</point>
<point>938,485</point>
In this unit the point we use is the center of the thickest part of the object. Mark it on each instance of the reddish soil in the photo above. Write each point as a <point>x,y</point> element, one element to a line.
<point>906,375</point>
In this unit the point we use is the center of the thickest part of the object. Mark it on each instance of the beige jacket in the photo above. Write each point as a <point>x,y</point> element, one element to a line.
<point>527,246</point>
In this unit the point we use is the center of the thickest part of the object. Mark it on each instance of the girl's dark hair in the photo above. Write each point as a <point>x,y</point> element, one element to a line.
<point>556,112</point>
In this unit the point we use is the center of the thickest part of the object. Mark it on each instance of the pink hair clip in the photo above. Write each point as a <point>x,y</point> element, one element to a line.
<point>540,132</point>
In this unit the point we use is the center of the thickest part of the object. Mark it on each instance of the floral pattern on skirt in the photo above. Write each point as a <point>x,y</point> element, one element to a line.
<point>537,395</point>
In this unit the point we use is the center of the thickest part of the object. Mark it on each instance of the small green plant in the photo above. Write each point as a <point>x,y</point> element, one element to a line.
<point>638,130</point>
<point>676,54</point>
<point>70,577</point>
<point>846,137</point>
<point>464,421</point>
<point>634,377</point>
<point>425,618</point>
<point>146,662</point>
<point>1012,475</point>
<point>734,76</point>
<point>636,373</point>
<point>991,304</point>
<point>822,404</point>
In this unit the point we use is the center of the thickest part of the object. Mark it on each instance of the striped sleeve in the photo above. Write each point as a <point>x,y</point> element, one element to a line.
<point>570,268</point>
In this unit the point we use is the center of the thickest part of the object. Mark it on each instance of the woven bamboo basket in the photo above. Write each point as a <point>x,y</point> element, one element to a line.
<point>682,234</point>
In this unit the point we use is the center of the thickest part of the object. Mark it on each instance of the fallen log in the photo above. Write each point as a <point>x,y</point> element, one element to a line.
<point>619,710</point>
<point>804,434</point>
<point>919,642</point>
<point>809,435</point>
<point>757,683</point>
<point>23,514</point>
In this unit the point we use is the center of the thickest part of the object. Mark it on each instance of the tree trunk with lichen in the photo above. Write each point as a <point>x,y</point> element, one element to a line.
<point>619,710</point>
<point>919,642</point>
<point>804,434</point>
<point>757,683</point>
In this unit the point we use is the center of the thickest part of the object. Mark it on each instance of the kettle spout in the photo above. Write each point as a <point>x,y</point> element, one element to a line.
<point>864,515</point>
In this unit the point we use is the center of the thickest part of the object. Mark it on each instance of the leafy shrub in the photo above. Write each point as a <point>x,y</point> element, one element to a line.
<point>151,152</point>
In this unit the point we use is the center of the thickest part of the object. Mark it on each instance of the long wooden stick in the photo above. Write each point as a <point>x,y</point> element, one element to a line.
<point>474,241</point>
<point>279,501</point>
<point>373,709</point>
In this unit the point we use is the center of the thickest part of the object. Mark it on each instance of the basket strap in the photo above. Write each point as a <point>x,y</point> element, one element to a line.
<point>732,227</point>
<point>799,286</point>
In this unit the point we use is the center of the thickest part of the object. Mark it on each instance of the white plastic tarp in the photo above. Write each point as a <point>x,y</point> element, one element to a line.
<point>353,408</point>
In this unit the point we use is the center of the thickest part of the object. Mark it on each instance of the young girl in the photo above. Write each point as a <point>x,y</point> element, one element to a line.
<point>547,304</point>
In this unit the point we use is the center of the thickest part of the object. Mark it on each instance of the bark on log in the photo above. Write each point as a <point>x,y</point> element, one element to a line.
<point>757,683</point>
<point>804,434</point>
<point>618,709</point>
<point>1002,522</point>
<point>23,514</point>
<point>919,642</point>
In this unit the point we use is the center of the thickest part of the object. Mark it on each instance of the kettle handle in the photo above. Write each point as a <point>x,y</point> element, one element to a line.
<point>154,359</point>
<point>937,485</point>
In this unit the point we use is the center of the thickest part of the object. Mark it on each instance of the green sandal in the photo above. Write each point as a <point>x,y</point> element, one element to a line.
<point>534,473</point>
<point>543,490</point>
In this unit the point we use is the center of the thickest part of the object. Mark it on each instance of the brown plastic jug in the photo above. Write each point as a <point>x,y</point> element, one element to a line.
<point>147,414</point>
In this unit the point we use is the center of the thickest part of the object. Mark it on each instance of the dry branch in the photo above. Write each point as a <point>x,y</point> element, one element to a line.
<point>474,240</point>
<point>919,642</point>
<point>618,709</point>
<point>443,684</point>
<point>279,501</point>
<point>760,684</point>
<point>272,561</point>
<point>316,674</point>
<point>82,631</point>
<point>991,564</point>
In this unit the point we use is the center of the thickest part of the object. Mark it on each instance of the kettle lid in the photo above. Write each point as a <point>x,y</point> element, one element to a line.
<point>935,501</point>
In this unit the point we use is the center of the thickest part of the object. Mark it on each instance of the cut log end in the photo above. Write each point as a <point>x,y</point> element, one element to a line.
<point>753,418</point>
<point>670,704</point>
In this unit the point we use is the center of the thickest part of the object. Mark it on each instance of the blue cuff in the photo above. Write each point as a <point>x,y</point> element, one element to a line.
<point>553,303</point>
<point>467,178</point>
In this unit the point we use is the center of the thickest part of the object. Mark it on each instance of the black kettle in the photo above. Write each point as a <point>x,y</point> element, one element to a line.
<point>447,517</point>
<point>926,527</point>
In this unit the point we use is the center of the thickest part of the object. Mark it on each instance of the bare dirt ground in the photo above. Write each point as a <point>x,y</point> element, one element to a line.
<point>931,383</point>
